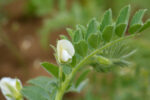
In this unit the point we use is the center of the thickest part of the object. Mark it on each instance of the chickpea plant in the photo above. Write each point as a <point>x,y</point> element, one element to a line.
<point>100,45</point>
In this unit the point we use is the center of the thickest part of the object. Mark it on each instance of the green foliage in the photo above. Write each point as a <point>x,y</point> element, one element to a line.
<point>108,33</point>
<point>81,48</point>
<point>136,22</point>
<point>52,69</point>
<point>145,26</point>
<point>34,93</point>
<point>61,20</point>
<point>70,32</point>
<point>94,44</point>
<point>92,28</point>
<point>40,7</point>
<point>66,69</point>
<point>77,36</point>
<point>79,87</point>
<point>62,5</point>
<point>82,77</point>
<point>43,88</point>
<point>122,21</point>
<point>77,14</point>
<point>99,44</point>
<point>107,20</point>
<point>102,60</point>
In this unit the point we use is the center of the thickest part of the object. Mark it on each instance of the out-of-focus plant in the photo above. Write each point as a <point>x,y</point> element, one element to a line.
<point>3,36</point>
<point>40,7</point>
<point>2,13</point>
<point>78,13</point>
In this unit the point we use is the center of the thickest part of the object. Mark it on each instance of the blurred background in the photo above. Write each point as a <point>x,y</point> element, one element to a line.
<point>27,27</point>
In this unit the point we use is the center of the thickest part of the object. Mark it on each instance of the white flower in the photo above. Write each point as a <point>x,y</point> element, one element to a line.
<point>65,50</point>
<point>11,88</point>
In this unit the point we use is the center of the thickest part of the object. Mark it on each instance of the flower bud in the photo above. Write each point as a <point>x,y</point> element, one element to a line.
<point>65,51</point>
<point>11,88</point>
<point>103,60</point>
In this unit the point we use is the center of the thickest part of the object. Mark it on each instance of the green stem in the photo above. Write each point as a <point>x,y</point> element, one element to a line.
<point>60,75</point>
<point>59,95</point>
<point>65,84</point>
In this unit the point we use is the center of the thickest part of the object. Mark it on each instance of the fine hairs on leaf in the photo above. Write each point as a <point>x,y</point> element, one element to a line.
<point>101,44</point>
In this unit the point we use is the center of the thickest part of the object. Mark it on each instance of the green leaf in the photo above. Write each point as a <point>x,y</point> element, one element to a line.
<point>81,85</point>
<point>66,69</point>
<point>73,63</point>
<point>124,15</point>
<point>51,68</point>
<point>122,21</point>
<point>92,28</point>
<point>96,43</point>
<point>35,93</point>
<point>83,30</point>
<point>137,18</point>
<point>108,33</point>
<point>100,68</point>
<point>70,32</point>
<point>145,26</point>
<point>81,48</point>
<point>121,29</point>
<point>77,36</point>
<point>134,28</point>
<point>121,63</point>
<point>39,7</point>
<point>44,82</point>
<point>107,20</point>
<point>136,22</point>
<point>82,77</point>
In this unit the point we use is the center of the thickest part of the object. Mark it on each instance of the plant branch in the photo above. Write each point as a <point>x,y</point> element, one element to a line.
<point>79,65</point>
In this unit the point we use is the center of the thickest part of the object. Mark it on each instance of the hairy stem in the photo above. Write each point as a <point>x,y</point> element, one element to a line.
<point>65,84</point>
